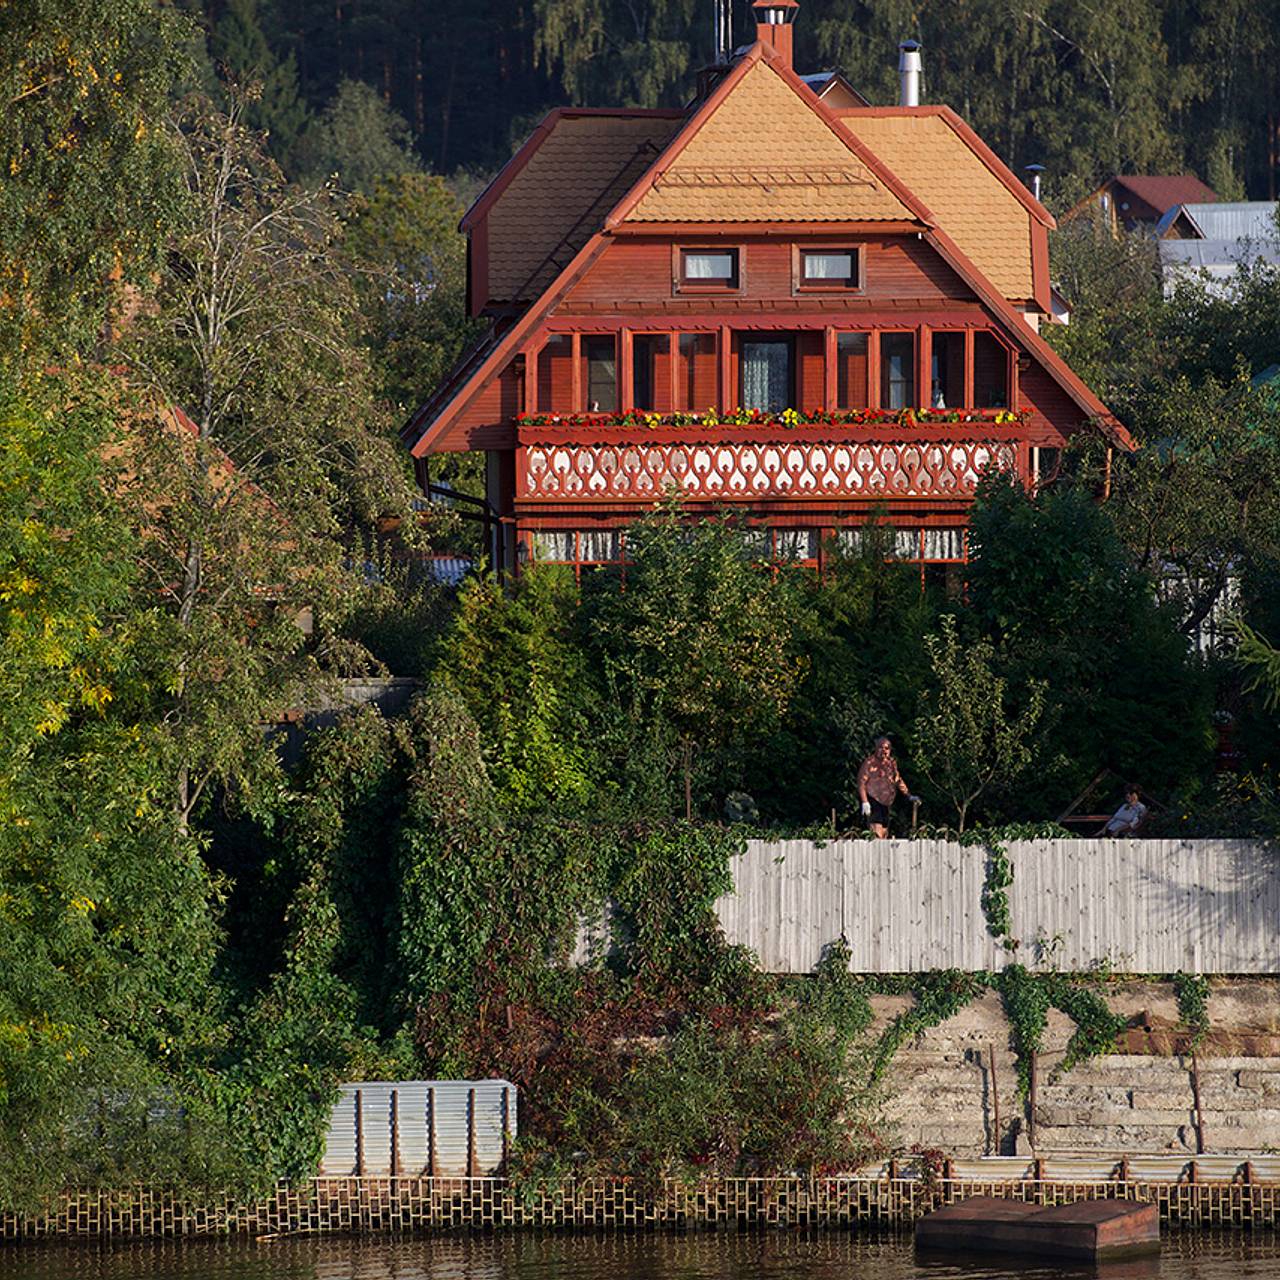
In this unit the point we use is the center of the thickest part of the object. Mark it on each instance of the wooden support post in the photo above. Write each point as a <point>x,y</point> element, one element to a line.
<point>473,1160</point>
<point>1031,1101</point>
<point>893,1169</point>
<point>995,1094</point>
<point>1248,1173</point>
<point>506,1127</point>
<point>395,1133</point>
<point>915,815</point>
<point>1195,1093</point>
<point>830,368</point>
<point>728,397</point>
<point>624,399</point>
<point>968,369</point>
<point>359,1134</point>
<point>433,1145</point>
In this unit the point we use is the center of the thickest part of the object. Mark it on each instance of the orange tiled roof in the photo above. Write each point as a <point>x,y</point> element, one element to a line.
<point>558,200</point>
<point>973,205</point>
<point>766,156</point>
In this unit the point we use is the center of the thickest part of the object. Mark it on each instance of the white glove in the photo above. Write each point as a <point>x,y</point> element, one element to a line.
<point>866,808</point>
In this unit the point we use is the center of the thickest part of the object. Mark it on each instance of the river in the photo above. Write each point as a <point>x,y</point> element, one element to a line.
<point>777,1255</point>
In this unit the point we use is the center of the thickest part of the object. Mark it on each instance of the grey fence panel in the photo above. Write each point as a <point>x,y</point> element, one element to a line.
<point>1142,906</point>
<point>362,1141</point>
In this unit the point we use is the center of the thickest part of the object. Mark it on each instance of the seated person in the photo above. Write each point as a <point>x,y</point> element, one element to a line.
<point>1128,817</point>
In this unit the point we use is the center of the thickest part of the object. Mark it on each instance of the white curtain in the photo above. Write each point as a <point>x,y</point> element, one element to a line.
<point>708,266</point>
<point>766,376</point>
<point>828,266</point>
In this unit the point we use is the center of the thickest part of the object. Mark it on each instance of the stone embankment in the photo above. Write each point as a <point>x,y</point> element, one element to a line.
<point>945,1095</point>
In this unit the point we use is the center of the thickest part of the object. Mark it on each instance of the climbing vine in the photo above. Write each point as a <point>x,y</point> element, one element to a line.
<point>1192,992</point>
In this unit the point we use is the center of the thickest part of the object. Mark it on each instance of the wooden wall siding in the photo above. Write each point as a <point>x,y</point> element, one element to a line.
<point>1145,906</point>
<point>635,271</point>
<point>1050,404</point>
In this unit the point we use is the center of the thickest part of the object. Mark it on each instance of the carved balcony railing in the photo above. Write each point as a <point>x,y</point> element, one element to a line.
<point>813,463</point>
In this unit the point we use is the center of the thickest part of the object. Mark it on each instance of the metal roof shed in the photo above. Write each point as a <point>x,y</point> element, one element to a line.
<point>420,1129</point>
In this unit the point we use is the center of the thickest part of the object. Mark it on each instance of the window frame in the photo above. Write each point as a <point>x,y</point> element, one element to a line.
<point>800,285</point>
<point>683,283</point>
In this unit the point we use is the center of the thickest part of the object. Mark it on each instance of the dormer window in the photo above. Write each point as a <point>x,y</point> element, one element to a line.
<point>827,269</point>
<point>709,270</point>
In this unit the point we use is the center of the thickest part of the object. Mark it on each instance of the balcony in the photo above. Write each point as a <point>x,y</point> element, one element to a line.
<point>935,456</point>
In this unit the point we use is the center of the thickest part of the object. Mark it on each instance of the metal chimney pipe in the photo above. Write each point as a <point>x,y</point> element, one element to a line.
<point>1035,170</point>
<point>910,72</point>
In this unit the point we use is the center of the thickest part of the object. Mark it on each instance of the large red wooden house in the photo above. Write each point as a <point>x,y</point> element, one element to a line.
<point>776,300</point>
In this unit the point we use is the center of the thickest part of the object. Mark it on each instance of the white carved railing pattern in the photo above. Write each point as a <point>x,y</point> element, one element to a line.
<point>749,469</point>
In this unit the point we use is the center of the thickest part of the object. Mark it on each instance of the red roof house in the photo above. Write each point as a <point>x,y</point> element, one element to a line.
<point>1138,200</point>
<point>805,312</point>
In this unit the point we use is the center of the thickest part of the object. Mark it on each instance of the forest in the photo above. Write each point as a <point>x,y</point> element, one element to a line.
<point>1157,86</point>
<point>229,267</point>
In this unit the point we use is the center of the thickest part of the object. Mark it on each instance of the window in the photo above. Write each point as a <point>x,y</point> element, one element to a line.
<point>990,372</point>
<point>697,375</point>
<point>650,371</point>
<point>709,269</point>
<point>851,371</point>
<point>582,548</point>
<point>946,371</point>
<point>897,370</point>
<point>555,375</point>
<point>600,373</point>
<point>767,382</point>
<point>828,268</point>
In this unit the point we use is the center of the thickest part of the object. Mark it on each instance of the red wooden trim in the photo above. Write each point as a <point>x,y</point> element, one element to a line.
<point>496,360</point>
<point>1025,337</point>
<point>626,387</point>
<point>531,354</point>
<point>750,316</point>
<point>968,368</point>
<point>873,370</point>
<point>575,371</point>
<point>673,367</point>
<point>818,433</point>
<point>728,392</point>
<point>829,380</point>
<point>1041,285</point>
<point>924,371</point>
<point>478,268</point>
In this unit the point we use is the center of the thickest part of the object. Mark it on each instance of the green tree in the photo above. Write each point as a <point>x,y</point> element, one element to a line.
<point>403,236</point>
<point>89,181</point>
<point>704,635</point>
<point>514,657</point>
<point>269,85</point>
<point>257,510</point>
<point>358,139</point>
<point>1056,589</point>
<point>970,738</point>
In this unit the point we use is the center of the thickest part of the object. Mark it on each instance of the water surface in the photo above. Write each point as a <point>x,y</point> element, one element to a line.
<point>779,1255</point>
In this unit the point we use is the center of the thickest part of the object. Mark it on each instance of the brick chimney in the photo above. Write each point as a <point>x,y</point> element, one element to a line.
<point>773,24</point>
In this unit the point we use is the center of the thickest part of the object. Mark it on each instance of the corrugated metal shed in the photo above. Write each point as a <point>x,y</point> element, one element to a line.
<point>420,1128</point>
<point>1233,220</point>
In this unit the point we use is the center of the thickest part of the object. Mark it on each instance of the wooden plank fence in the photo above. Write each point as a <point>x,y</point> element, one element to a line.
<point>1143,906</point>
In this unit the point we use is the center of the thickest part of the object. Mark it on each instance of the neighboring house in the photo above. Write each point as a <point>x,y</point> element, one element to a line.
<point>1211,241</point>
<point>809,314</point>
<point>1141,200</point>
<point>1227,220</point>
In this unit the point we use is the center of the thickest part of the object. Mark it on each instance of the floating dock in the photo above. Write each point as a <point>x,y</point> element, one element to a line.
<point>1089,1230</point>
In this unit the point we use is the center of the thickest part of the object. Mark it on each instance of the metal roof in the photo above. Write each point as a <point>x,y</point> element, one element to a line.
<point>1235,220</point>
<point>1216,254</point>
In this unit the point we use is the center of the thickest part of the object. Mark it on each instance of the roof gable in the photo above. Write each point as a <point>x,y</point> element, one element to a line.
<point>555,194</point>
<point>767,151</point>
<point>975,198</point>
<point>1162,191</point>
